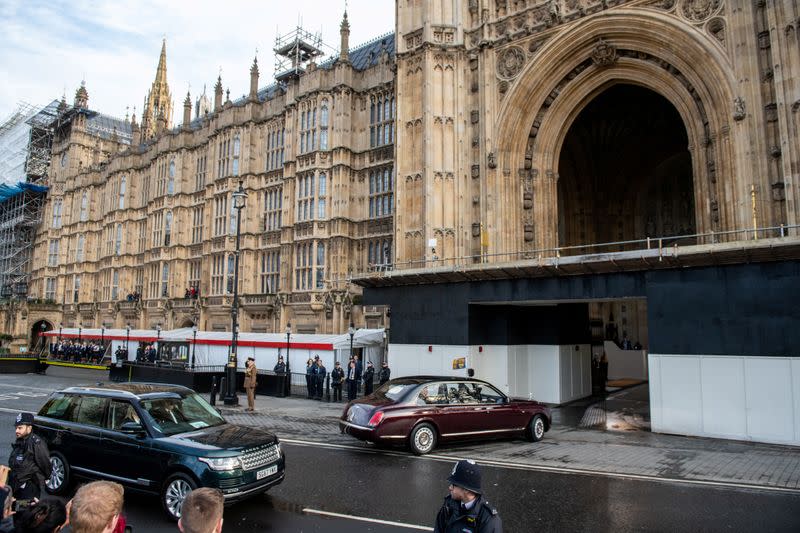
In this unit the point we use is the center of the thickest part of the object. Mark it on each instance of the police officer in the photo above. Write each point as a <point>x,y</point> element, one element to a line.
<point>29,461</point>
<point>337,377</point>
<point>280,366</point>
<point>385,373</point>
<point>369,379</point>
<point>465,509</point>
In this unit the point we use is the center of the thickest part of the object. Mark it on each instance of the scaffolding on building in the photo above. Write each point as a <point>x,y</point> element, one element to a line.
<point>27,138</point>
<point>294,50</point>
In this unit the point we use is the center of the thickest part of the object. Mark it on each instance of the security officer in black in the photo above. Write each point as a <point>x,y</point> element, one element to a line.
<point>465,510</point>
<point>369,379</point>
<point>29,461</point>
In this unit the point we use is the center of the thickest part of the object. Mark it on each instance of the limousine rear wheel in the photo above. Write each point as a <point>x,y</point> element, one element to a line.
<point>536,428</point>
<point>173,493</point>
<point>422,439</point>
<point>59,475</point>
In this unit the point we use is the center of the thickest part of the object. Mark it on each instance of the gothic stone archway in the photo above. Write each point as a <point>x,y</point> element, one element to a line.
<point>624,46</point>
<point>625,172</point>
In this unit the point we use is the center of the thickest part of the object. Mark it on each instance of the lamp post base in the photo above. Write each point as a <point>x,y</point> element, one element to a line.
<point>230,387</point>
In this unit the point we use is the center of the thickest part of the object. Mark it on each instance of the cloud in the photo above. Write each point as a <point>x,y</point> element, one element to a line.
<point>50,46</point>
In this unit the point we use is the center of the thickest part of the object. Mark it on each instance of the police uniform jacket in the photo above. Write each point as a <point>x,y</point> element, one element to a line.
<point>29,462</point>
<point>384,374</point>
<point>480,518</point>
<point>337,376</point>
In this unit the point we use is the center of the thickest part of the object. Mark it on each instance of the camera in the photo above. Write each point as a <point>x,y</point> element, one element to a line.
<point>20,505</point>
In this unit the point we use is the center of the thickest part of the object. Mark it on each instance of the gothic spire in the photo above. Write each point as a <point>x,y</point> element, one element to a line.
<point>161,71</point>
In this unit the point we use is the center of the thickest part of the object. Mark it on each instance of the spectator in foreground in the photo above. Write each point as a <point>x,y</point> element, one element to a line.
<point>96,508</point>
<point>47,515</point>
<point>202,511</point>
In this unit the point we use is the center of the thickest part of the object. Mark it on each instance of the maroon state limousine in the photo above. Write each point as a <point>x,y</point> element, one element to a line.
<point>423,410</point>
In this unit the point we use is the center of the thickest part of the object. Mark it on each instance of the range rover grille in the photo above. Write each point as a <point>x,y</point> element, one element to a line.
<point>258,457</point>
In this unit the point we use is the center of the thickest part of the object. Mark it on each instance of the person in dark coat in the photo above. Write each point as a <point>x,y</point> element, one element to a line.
<point>359,373</point>
<point>321,373</point>
<point>337,378</point>
<point>310,383</point>
<point>29,461</point>
<point>369,379</point>
<point>352,381</point>
<point>385,373</point>
<point>280,366</point>
<point>465,509</point>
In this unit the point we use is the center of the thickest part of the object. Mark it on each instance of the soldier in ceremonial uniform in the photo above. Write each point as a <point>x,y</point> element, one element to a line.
<point>29,461</point>
<point>465,510</point>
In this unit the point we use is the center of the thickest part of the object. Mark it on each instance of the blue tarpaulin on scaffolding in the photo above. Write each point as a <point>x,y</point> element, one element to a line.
<point>10,191</point>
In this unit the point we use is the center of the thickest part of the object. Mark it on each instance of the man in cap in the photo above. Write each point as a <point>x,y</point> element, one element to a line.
<point>369,379</point>
<point>29,461</point>
<point>465,509</point>
<point>280,366</point>
<point>385,373</point>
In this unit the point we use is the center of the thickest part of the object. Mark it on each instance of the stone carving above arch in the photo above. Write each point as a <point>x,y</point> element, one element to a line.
<point>739,112</point>
<point>604,54</point>
<point>716,28</point>
<point>510,62</point>
<point>699,10</point>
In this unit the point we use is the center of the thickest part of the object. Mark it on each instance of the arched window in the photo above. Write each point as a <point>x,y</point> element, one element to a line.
<point>237,145</point>
<point>323,117</point>
<point>122,187</point>
<point>118,240</point>
<point>165,280</point>
<point>230,273</point>
<point>171,178</point>
<point>84,207</point>
<point>168,228</point>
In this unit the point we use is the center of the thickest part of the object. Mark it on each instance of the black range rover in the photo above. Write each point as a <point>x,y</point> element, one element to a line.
<point>164,439</point>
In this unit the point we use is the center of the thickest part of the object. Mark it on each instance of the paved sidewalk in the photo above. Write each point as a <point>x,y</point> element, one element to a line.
<point>632,452</point>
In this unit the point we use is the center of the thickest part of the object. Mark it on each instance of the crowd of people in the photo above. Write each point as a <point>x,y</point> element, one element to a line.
<point>146,353</point>
<point>77,351</point>
<point>351,378</point>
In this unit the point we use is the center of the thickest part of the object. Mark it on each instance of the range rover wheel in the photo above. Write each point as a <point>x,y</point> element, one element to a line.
<point>59,474</point>
<point>422,439</point>
<point>173,493</point>
<point>536,428</point>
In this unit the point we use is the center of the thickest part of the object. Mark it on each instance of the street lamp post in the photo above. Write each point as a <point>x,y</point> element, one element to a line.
<point>127,339</point>
<point>352,331</point>
<point>194,342</point>
<point>60,326</point>
<point>288,370</point>
<point>43,327</point>
<point>158,341</point>
<point>80,327</point>
<point>239,198</point>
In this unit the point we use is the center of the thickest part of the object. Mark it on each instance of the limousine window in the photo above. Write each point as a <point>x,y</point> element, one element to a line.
<point>90,411</point>
<point>57,407</point>
<point>177,414</point>
<point>120,413</point>
<point>393,390</point>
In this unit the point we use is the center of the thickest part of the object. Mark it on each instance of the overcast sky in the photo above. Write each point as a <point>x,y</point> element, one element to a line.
<point>48,46</point>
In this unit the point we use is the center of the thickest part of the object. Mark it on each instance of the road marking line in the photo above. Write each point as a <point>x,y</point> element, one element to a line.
<point>363,519</point>
<point>27,387</point>
<point>15,411</point>
<point>551,469</point>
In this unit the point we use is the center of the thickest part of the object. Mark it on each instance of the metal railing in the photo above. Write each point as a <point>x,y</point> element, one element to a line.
<point>596,249</point>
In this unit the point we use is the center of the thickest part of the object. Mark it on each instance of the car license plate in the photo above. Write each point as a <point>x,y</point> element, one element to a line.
<point>261,474</point>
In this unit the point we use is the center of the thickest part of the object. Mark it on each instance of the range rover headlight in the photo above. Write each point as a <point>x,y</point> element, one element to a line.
<point>222,463</point>
<point>278,449</point>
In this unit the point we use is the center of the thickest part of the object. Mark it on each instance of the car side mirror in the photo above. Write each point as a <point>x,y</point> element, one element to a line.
<point>132,428</point>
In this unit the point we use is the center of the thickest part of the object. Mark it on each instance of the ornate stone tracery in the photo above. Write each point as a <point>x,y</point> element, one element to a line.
<point>510,62</point>
<point>699,10</point>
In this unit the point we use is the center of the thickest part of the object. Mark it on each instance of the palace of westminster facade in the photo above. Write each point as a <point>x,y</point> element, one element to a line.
<point>466,135</point>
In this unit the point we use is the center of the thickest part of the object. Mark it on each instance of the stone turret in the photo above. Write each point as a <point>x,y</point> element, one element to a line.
<point>136,133</point>
<point>82,97</point>
<point>218,94</point>
<point>159,100</point>
<point>254,81</point>
<point>344,32</point>
<point>187,111</point>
